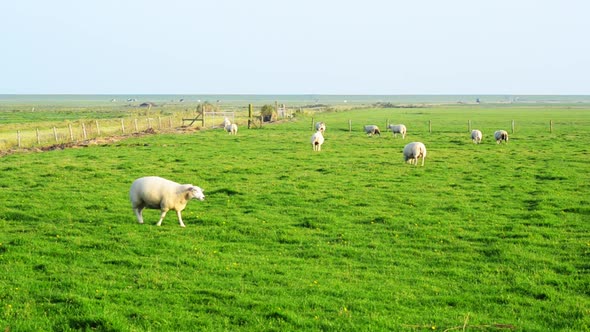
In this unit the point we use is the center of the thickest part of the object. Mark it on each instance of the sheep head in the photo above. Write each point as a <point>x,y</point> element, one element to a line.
<point>194,192</point>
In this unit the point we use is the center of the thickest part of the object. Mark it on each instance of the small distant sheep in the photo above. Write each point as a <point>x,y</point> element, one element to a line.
<point>501,135</point>
<point>398,129</point>
<point>154,192</point>
<point>372,130</point>
<point>476,136</point>
<point>232,128</point>
<point>317,139</point>
<point>320,126</point>
<point>413,151</point>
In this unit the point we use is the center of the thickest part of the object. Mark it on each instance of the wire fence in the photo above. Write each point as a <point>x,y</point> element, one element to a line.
<point>83,131</point>
<point>87,131</point>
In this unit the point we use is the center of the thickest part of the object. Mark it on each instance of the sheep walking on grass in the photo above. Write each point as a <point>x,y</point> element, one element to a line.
<point>398,129</point>
<point>372,130</point>
<point>476,136</point>
<point>413,151</point>
<point>317,139</point>
<point>154,192</point>
<point>501,135</point>
<point>320,126</point>
<point>232,128</point>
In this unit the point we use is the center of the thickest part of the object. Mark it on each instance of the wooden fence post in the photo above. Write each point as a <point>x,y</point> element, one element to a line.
<point>550,126</point>
<point>430,126</point>
<point>122,126</point>
<point>84,131</point>
<point>38,137</point>
<point>136,130</point>
<point>71,132</point>
<point>55,134</point>
<point>249,115</point>
<point>349,126</point>
<point>97,128</point>
<point>513,126</point>
<point>149,121</point>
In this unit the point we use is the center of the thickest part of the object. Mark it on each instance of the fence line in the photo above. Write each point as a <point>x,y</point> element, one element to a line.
<point>92,129</point>
<point>83,132</point>
<point>430,125</point>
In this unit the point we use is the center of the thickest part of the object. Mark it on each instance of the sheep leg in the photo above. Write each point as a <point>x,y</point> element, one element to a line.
<point>180,219</point>
<point>162,217</point>
<point>138,213</point>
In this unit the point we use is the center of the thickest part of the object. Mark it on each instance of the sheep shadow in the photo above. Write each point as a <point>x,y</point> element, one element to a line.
<point>225,191</point>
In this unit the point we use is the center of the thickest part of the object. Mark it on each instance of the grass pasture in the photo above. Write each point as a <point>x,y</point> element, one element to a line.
<point>482,238</point>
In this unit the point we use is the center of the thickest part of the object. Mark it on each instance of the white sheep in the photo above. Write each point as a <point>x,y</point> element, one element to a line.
<point>398,129</point>
<point>226,122</point>
<point>372,130</point>
<point>154,192</point>
<point>413,151</point>
<point>232,128</point>
<point>317,139</point>
<point>320,126</point>
<point>476,136</point>
<point>501,135</point>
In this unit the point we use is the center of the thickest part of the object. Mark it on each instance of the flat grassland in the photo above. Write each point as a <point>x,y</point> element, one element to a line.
<point>482,238</point>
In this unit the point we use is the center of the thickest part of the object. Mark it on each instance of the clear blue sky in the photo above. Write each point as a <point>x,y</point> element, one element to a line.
<point>295,47</point>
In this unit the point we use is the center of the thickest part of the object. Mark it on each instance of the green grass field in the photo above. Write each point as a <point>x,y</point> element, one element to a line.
<point>482,238</point>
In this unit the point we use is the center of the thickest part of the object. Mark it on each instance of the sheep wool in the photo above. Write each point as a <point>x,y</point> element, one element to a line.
<point>232,128</point>
<point>501,135</point>
<point>476,136</point>
<point>320,126</point>
<point>413,151</point>
<point>398,129</point>
<point>317,139</point>
<point>154,192</point>
<point>372,130</point>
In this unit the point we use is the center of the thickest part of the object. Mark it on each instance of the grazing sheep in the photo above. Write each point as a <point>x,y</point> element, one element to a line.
<point>154,192</point>
<point>320,126</point>
<point>372,130</point>
<point>398,129</point>
<point>476,136</point>
<point>317,139</point>
<point>232,128</point>
<point>413,151</point>
<point>501,135</point>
